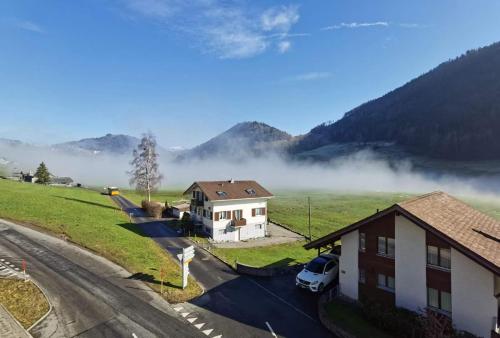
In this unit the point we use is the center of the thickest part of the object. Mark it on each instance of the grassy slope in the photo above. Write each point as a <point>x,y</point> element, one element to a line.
<point>93,221</point>
<point>23,300</point>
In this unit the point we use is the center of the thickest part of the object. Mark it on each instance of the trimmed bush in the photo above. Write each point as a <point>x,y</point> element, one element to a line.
<point>154,209</point>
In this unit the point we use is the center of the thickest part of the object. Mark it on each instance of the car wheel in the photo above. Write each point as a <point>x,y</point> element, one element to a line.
<point>321,286</point>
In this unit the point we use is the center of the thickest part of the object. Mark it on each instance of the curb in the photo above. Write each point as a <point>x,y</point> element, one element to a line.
<point>48,312</point>
<point>16,321</point>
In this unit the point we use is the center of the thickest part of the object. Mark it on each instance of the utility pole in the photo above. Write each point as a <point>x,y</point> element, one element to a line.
<point>309,205</point>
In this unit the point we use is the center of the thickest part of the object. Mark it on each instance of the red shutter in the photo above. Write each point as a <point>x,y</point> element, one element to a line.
<point>233,215</point>
<point>253,212</point>
<point>216,216</point>
<point>263,211</point>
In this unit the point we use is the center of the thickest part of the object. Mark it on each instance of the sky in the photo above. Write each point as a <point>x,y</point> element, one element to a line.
<point>188,70</point>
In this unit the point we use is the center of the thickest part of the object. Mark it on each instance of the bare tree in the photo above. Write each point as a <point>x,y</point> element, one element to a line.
<point>145,174</point>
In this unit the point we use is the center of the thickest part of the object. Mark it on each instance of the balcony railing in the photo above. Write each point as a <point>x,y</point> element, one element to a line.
<point>196,203</point>
<point>239,222</point>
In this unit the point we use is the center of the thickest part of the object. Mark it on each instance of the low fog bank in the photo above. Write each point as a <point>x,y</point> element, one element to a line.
<point>359,172</point>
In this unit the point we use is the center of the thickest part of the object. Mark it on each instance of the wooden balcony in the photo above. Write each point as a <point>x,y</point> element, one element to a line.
<point>239,222</point>
<point>196,203</point>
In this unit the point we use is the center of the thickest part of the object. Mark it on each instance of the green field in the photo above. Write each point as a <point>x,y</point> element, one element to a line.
<point>93,221</point>
<point>330,211</point>
<point>160,196</point>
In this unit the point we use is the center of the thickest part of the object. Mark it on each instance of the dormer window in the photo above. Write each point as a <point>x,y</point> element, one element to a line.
<point>222,193</point>
<point>250,191</point>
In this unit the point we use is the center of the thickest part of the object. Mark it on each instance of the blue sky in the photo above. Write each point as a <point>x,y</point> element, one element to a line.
<point>188,70</point>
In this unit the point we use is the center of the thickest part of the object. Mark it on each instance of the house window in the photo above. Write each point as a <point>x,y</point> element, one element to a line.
<point>386,246</point>
<point>250,191</point>
<point>222,193</point>
<point>362,276</point>
<point>211,215</point>
<point>225,215</point>
<point>260,211</point>
<point>194,194</point>
<point>386,282</point>
<point>238,214</point>
<point>438,257</point>
<point>362,241</point>
<point>204,213</point>
<point>439,300</point>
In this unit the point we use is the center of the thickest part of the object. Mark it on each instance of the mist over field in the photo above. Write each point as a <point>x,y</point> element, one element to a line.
<point>360,172</point>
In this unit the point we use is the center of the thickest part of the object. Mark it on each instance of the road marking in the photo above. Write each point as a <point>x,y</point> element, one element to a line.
<point>219,336</point>
<point>178,308</point>
<point>192,320</point>
<point>134,335</point>
<point>207,332</point>
<point>271,329</point>
<point>199,326</point>
<point>284,301</point>
<point>185,314</point>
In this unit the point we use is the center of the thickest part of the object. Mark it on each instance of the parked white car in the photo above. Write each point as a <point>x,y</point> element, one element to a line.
<point>318,273</point>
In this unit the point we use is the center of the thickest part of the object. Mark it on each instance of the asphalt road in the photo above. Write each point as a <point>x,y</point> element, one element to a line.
<point>237,305</point>
<point>91,297</point>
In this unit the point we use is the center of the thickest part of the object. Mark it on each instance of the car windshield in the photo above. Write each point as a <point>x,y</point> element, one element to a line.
<point>317,265</point>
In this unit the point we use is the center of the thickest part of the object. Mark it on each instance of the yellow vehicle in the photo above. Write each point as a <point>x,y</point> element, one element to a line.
<point>113,191</point>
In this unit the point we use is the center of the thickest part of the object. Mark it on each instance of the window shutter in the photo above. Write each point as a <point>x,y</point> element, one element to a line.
<point>233,214</point>
<point>264,211</point>
<point>253,212</point>
<point>216,216</point>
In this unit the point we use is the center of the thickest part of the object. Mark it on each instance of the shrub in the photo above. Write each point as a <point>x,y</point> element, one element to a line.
<point>154,209</point>
<point>408,324</point>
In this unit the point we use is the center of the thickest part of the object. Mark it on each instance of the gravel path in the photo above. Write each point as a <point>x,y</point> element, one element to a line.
<point>279,235</point>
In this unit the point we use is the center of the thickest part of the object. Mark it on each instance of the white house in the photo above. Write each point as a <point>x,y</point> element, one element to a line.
<point>230,210</point>
<point>431,254</point>
<point>179,210</point>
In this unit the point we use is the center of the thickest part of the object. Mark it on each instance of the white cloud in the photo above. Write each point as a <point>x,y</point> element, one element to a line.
<point>280,18</point>
<point>25,25</point>
<point>226,29</point>
<point>357,25</point>
<point>284,46</point>
<point>311,76</point>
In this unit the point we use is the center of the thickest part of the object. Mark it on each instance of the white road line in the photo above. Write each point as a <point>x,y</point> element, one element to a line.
<point>271,329</point>
<point>219,336</point>
<point>284,301</point>
<point>185,314</point>
<point>178,308</point>
<point>192,320</point>
<point>207,332</point>
<point>199,326</point>
<point>134,335</point>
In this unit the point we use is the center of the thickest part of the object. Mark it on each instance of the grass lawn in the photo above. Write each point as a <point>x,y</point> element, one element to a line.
<point>160,196</point>
<point>93,221</point>
<point>270,256</point>
<point>23,300</point>
<point>348,318</point>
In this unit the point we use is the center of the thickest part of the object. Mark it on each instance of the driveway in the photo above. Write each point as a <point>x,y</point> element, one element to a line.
<point>236,305</point>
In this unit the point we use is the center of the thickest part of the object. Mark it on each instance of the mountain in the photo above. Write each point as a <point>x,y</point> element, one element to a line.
<point>450,113</point>
<point>242,140</point>
<point>109,144</point>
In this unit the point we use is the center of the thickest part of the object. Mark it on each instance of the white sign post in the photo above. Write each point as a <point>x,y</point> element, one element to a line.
<point>186,257</point>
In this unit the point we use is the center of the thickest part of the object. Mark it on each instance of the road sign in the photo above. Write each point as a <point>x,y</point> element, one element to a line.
<point>186,257</point>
